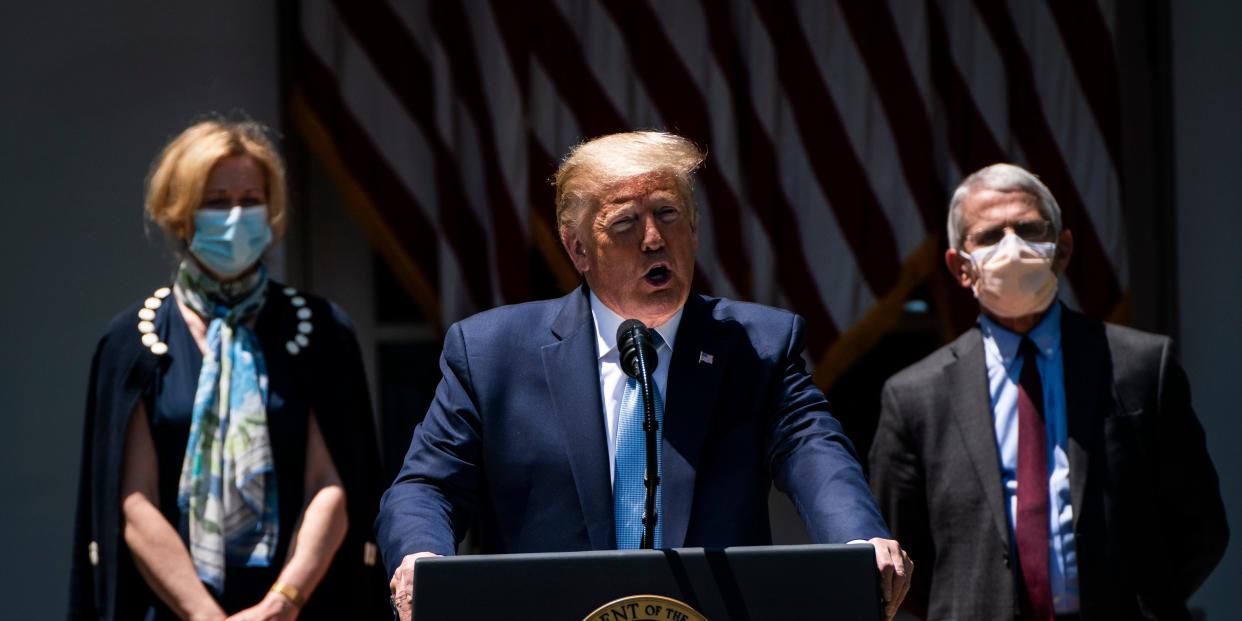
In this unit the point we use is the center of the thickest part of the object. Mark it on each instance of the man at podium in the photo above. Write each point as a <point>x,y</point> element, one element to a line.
<point>535,432</point>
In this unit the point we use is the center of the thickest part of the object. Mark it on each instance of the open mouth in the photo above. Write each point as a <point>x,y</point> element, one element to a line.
<point>658,275</point>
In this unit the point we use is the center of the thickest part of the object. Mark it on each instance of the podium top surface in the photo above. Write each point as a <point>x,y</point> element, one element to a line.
<point>738,583</point>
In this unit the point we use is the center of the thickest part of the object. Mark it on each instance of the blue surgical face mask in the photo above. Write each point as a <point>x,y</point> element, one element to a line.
<point>228,242</point>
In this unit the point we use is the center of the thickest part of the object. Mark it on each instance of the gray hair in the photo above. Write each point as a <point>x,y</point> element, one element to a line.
<point>1001,178</point>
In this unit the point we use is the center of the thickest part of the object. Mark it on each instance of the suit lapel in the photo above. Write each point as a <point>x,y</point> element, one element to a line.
<point>1083,352</point>
<point>693,386</point>
<point>571,367</point>
<point>972,413</point>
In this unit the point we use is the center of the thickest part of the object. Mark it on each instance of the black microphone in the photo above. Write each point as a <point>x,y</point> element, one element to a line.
<point>634,337</point>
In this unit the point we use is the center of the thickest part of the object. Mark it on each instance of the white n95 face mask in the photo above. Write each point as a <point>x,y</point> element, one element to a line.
<point>1014,278</point>
<point>229,241</point>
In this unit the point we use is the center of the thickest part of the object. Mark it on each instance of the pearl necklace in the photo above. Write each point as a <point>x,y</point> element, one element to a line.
<point>151,340</point>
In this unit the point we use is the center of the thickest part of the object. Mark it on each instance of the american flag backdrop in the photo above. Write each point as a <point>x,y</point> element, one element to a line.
<point>835,133</point>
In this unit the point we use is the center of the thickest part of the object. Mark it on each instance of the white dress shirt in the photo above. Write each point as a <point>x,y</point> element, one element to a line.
<point>612,377</point>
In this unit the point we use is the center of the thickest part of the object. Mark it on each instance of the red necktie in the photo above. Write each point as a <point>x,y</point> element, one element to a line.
<point>1032,521</point>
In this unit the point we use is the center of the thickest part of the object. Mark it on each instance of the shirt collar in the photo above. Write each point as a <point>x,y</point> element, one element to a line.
<point>607,322</point>
<point>1046,335</point>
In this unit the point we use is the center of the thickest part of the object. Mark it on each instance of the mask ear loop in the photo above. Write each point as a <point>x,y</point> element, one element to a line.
<point>972,271</point>
<point>969,266</point>
<point>180,248</point>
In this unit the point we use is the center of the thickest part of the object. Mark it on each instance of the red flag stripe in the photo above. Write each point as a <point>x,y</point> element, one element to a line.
<point>841,177</point>
<point>1091,53</point>
<point>457,39</point>
<point>880,45</point>
<point>379,34</point>
<point>395,204</point>
<point>551,40</point>
<point>767,199</point>
<point>835,130</point>
<point>970,138</point>
<point>682,106</point>
<point>1090,273</point>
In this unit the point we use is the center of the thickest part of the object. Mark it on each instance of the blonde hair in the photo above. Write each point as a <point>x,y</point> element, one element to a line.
<point>595,165</point>
<point>178,175</point>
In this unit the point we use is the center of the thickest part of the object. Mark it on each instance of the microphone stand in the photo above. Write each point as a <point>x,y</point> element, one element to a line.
<point>651,480</point>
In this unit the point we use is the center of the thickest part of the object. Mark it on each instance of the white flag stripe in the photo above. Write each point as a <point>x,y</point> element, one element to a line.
<point>454,124</point>
<point>685,27</point>
<point>608,58</point>
<point>489,119</point>
<point>1108,10</point>
<point>473,176</point>
<point>843,71</point>
<point>843,292</point>
<point>981,67</point>
<point>766,284</point>
<point>398,140</point>
<point>708,257</point>
<point>505,104</point>
<point>374,107</point>
<point>553,125</point>
<point>837,276</point>
<point>460,136</point>
<point>1073,127</point>
<point>910,20</point>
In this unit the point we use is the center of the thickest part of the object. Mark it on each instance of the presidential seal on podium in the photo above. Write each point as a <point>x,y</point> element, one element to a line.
<point>645,608</point>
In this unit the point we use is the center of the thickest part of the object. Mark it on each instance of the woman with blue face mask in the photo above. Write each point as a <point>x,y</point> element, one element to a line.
<point>229,465</point>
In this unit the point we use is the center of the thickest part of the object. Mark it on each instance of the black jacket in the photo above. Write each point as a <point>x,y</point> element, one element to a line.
<point>328,373</point>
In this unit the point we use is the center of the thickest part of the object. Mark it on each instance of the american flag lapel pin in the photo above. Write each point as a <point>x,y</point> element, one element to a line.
<point>706,358</point>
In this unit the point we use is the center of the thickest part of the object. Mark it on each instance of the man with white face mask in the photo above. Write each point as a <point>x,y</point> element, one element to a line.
<point>1044,465</point>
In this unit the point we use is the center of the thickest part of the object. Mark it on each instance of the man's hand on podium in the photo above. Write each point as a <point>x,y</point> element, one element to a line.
<point>402,585</point>
<point>895,571</point>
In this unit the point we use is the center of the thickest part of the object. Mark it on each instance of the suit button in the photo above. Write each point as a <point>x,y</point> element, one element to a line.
<point>1005,557</point>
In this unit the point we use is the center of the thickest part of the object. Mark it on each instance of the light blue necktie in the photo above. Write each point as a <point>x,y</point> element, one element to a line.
<point>629,495</point>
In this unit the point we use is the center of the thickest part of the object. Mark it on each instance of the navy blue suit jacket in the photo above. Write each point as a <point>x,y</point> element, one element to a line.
<point>514,439</point>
